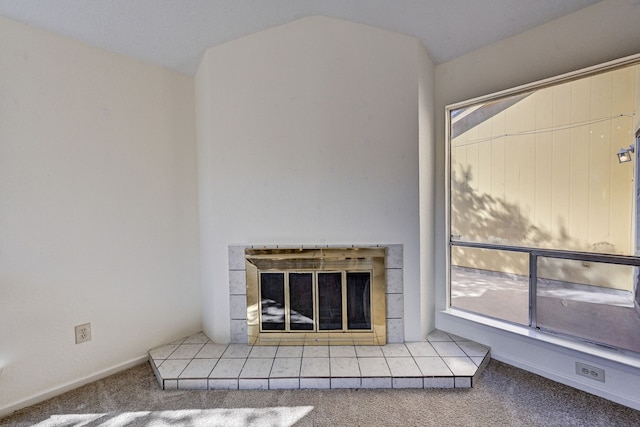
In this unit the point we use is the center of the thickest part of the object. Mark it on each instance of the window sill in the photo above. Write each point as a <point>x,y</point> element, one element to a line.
<point>623,358</point>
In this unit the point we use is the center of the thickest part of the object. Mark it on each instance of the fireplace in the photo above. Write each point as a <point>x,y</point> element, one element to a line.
<point>244,301</point>
<point>316,296</point>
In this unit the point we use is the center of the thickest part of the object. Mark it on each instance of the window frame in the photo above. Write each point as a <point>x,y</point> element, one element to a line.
<point>531,330</point>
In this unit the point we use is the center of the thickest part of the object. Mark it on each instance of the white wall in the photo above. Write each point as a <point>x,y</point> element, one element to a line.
<point>98,212</point>
<point>426,114</point>
<point>308,134</point>
<point>602,32</point>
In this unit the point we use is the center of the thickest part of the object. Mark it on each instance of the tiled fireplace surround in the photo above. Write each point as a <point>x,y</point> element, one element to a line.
<point>238,290</point>
<point>441,361</point>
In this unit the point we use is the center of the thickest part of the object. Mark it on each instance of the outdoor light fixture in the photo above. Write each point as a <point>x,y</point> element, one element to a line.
<point>624,155</point>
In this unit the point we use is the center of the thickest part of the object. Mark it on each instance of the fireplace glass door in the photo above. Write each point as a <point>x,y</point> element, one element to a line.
<point>300,296</point>
<point>358,300</point>
<point>301,301</point>
<point>315,301</point>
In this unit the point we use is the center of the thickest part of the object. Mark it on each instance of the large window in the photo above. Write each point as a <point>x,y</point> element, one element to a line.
<point>542,206</point>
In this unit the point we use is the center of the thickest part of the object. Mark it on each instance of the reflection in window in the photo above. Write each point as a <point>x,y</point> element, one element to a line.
<point>289,300</point>
<point>358,301</point>
<point>272,301</point>
<point>330,301</point>
<point>301,297</point>
<point>588,300</point>
<point>540,169</point>
<point>499,289</point>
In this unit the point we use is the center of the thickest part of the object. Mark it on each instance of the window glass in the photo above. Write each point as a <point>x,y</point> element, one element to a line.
<point>272,301</point>
<point>543,202</point>
<point>301,301</point>
<point>500,289</point>
<point>359,300</point>
<point>540,169</point>
<point>589,300</point>
<point>330,301</point>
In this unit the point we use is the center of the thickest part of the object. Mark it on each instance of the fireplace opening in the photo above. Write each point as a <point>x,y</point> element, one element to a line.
<point>318,296</point>
<point>287,301</point>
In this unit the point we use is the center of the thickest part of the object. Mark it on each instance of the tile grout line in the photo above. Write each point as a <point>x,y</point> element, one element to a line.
<point>188,363</point>
<point>214,365</point>
<point>246,359</point>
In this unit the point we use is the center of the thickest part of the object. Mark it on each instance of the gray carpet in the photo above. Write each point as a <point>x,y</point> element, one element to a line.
<point>503,396</point>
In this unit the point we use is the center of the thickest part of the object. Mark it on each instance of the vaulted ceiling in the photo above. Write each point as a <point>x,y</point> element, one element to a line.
<point>174,34</point>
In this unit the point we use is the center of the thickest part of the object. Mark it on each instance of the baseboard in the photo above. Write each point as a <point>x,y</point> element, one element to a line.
<point>55,391</point>
<point>554,376</point>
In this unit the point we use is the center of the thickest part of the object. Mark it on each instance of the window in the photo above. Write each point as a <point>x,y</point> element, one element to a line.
<point>542,215</point>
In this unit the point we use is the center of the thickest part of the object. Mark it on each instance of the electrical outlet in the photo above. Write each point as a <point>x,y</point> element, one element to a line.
<point>588,371</point>
<point>83,333</point>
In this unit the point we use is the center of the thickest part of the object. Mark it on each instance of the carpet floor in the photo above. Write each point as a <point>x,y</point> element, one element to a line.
<point>503,396</point>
